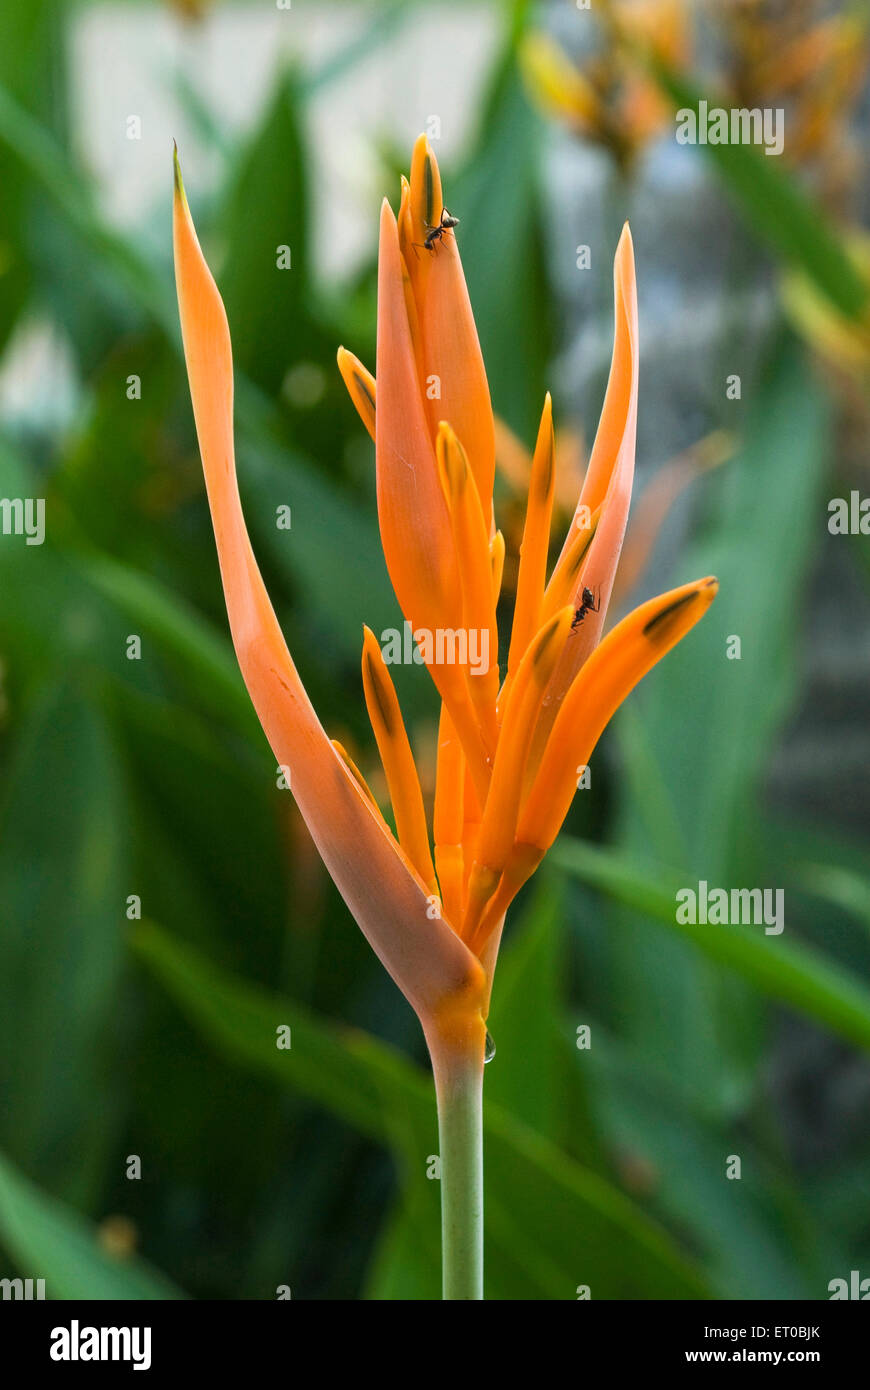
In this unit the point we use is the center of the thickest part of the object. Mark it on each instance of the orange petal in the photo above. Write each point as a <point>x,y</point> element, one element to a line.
<point>620,399</point>
<point>455,383</point>
<point>471,542</point>
<point>356,774</point>
<point>448,818</point>
<point>398,760</point>
<point>361,387</point>
<point>521,712</point>
<point>499,823</point>
<point>496,560</point>
<point>471,538</point>
<point>611,673</point>
<point>414,521</point>
<point>569,575</point>
<point>607,485</point>
<point>425,958</point>
<point>536,541</point>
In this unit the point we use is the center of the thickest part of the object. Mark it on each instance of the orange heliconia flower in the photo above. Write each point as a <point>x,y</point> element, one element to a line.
<point>511,742</point>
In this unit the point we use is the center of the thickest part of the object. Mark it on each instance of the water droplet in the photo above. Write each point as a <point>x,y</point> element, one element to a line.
<point>488,1047</point>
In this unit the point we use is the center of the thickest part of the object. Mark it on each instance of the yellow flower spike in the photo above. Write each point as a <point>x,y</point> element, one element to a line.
<point>505,790</point>
<point>555,83</point>
<point>400,769</point>
<point>360,387</point>
<point>428,962</point>
<point>448,819</point>
<point>567,577</point>
<point>532,575</point>
<point>471,542</point>
<point>610,674</point>
<point>455,384</point>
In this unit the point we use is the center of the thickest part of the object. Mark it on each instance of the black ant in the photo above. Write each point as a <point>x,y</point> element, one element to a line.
<point>588,604</point>
<point>433,234</point>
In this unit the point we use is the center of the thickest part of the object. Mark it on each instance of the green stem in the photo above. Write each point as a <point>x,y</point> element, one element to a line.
<point>459,1088</point>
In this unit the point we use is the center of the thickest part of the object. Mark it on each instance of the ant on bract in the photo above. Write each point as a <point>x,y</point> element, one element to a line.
<point>588,604</point>
<point>433,234</point>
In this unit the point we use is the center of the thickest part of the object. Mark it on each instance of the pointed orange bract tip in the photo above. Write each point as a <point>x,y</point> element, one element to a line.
<point>360,385</point>
<point>425,196</point>
<point>450,348</point>
<point>607,485</point>
<point>178,181</point>
<point>414,519</point>
<point>609,675</point>
<point>403,220</point>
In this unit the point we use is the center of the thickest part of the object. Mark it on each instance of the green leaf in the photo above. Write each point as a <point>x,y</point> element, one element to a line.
<point>63,887</point>
<point>49,1241</point>
<point>840,886</point>
<point>707,724</point>
<point>523,1022</point>
<point>710,721</point>
<point>331,551</point>
<point>407,1260</point>
<point>791,973</point>
<point>385,21</point>
<point>758,1237</point>
<point>201,656</point>
<point>33,150</point>
<point>551,1223</point>
<point>25,59</point>
<point>267,209</point>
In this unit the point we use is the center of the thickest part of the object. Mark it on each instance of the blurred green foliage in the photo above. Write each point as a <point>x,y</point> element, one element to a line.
<point>156,1038</point>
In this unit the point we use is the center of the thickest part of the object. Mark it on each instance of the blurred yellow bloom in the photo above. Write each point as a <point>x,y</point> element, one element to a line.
<point>607,97</point>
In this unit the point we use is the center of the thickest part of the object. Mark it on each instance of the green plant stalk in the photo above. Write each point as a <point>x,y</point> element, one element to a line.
<point>459,1090</point>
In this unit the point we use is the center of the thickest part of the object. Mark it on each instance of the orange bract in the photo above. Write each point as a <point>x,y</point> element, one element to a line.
<point>507,757</point>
